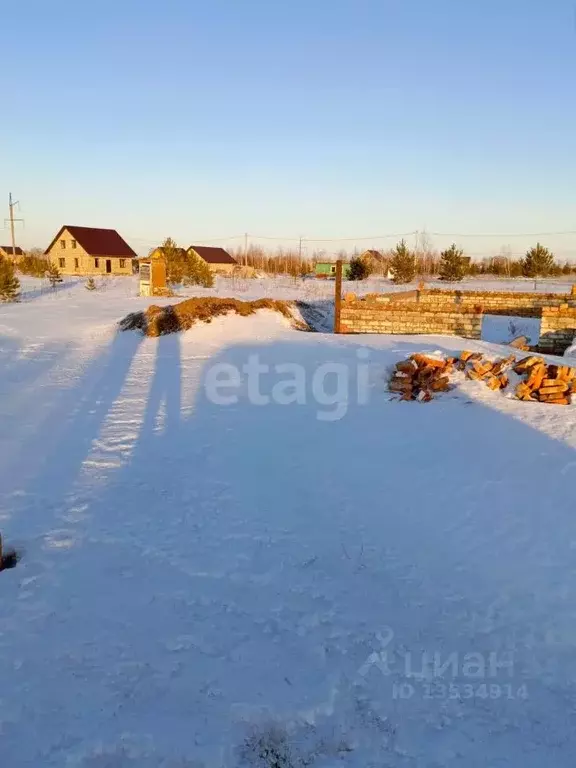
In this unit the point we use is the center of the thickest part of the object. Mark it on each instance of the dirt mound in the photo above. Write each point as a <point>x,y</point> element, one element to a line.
<point>158,321</point>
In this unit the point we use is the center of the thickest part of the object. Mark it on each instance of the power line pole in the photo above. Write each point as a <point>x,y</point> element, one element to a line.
<point>11,206</point>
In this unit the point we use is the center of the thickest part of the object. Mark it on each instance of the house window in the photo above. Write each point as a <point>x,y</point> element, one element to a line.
<point>76,263</point>
<point>96,263</point>
<point>122,263</point>
<point>62,263</point>
<point>333,270</point>
<point>73,244</point>
<point>62,244</point>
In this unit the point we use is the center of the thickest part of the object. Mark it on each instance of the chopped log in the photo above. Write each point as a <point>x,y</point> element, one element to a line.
<point>400,386</point>
<point>523,391</point>
<point>406,366</point>
<point>558,390</point>
<point>537,375</point>
<point>565,372</point>
<point>520,342</point>
<point>472,374</point>
<point>466,355</point>
<point>492,382</point>
<point>556,383</point>
<point>504,381</point>
<point>424,396</point>
<point>555,400</point>
<point>482,367</point>
<point>526,363</point>
<point>424,360</point>
<point>440,385</point>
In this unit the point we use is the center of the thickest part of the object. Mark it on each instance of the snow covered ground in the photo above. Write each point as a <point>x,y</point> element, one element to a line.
<point>342,581</point>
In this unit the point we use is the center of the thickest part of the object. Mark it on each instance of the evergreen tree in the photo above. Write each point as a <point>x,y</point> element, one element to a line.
<point>53,275</point>
<point>452,264</point>
<point>538,262</point>
<point>403,264</point>
<point>90,284</point>
<point>175,258</point>
<point>9,283</point>
<point>197,272</point>
<point>359,269</point>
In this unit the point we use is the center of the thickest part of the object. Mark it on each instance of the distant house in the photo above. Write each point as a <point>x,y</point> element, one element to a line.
<point>327,269</point>
<point>372,254</point>
<point>90,251</point>
<point>219,260</point>
<point>9,253</point>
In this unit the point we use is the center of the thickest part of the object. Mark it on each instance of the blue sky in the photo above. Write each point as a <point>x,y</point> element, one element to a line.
<point>328,119</point>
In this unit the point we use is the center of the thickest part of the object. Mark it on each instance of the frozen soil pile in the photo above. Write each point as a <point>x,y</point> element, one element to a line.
<point>158,321</point>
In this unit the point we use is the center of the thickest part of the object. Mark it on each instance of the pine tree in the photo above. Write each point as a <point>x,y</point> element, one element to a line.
<point>452,264</point>
<point>403,264</point>
<point>197,272</point>
<point>359,269</point>
<point>53,275</point>
<point>175,261</point>
<point>538,262</point>
<point>9,283</point>
<point>90,284</point>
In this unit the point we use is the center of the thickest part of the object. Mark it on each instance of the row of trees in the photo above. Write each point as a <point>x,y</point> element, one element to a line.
<point>453,266</point>
<point>428,262</point>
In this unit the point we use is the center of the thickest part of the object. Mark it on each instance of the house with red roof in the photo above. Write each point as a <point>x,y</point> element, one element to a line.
<point>90,251</point>
<point>219,260</point>
<point>14,254</point>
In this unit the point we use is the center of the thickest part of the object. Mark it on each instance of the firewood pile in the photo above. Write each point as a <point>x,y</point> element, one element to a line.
<point>421,377</point>
<point>545,383</point>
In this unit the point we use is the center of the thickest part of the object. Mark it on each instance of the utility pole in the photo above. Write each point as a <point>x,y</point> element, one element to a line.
<point>245,249</point>
<point>12,220</point>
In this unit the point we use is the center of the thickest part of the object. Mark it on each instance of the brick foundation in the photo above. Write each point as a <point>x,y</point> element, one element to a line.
<point>459,313</point>
<point>558,329</point>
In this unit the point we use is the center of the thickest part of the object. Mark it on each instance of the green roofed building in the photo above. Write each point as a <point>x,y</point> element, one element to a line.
<point>325,269</point>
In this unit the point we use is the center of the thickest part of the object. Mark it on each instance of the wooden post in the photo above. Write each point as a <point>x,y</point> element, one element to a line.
<point>338,296</point>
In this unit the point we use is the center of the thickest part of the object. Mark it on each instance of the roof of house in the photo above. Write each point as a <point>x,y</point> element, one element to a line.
<point>372,252</point>
<point>97,241</point>
<point>213,255</point>
<point>8,249</point>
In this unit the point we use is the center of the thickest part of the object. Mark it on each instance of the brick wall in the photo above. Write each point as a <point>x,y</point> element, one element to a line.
<point>378,317</point>
<point>558,329</point>
<point>459,313</point>
<point>497,302</point>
